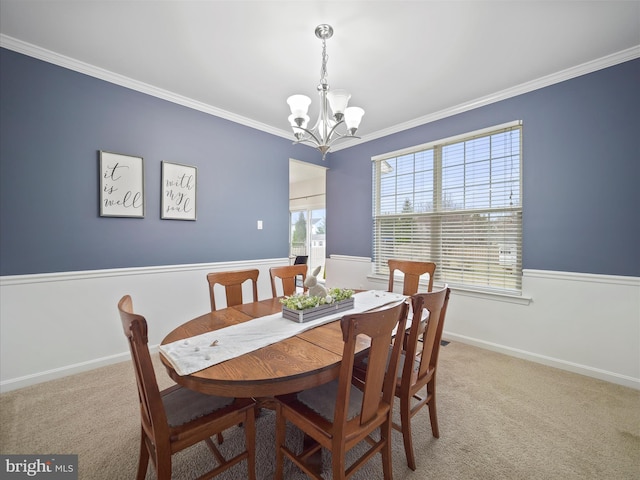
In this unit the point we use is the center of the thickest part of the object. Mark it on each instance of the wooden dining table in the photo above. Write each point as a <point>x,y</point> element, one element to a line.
<point>306,360</point>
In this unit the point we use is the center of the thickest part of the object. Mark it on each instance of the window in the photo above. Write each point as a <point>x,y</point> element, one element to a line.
<point>308,235</point>
<point>456,202</point>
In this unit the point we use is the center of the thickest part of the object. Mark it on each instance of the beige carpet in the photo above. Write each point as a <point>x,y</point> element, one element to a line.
<point>500,418</point>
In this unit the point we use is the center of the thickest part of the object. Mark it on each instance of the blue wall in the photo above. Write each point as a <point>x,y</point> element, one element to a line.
<point>581,173</point>
<point>54,121</point>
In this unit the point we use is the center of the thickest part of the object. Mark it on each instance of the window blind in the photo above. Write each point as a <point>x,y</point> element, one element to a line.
<point>457,203</point>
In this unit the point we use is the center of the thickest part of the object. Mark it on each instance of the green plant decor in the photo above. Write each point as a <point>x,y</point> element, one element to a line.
<point>301,301</point>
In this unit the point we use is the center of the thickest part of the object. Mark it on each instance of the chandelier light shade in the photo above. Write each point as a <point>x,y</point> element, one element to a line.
<point>336,119</point>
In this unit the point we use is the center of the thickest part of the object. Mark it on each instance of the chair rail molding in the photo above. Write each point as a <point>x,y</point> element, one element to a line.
<point>41,341</point>
<point>560,320</point>
<point>564,324</point>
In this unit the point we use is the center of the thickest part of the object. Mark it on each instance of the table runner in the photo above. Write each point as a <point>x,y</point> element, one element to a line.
<point>197,353</point>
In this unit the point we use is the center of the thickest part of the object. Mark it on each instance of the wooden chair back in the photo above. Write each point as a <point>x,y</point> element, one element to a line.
<point>412,271</point>
<point>428,330</point>
<point>357,412</point>
<point>232,281</point>
<point>379,384</point>
<point>420,364</point>
<point>154,419</point>
<point>177,418</point>
<point>287,275</point>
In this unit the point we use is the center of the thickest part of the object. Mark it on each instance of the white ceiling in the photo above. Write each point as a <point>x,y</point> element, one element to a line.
<point>405,62</point>
<point>302,171</point>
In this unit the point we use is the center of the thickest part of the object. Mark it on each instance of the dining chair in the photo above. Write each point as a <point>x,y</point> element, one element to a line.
<point>301,260</point>
<point>232,281</point>
<point>412,271</point>
<point>288,276</point>
<point>418,365</point>
<point>337,415</point>
<point>177,418</point>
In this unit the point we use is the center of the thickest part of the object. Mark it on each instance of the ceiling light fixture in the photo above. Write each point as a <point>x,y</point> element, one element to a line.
<point>325,132</point>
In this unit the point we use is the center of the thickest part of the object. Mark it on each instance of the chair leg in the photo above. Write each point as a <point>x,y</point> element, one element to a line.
<point>407,437</point>
<point>163,466</point>
<point>281,426</point>
<point>250,443</point>
<point>143,461</point>
<point>433,414</point>
<point>338,464</point>
<point>387,469</point>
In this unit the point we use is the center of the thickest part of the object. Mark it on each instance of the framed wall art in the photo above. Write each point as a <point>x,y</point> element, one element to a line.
<point>121,185</point>
<point>179,185</point>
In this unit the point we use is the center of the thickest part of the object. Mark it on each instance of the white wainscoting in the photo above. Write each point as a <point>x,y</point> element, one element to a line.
<point>53,325</point>
<point>584,323</point>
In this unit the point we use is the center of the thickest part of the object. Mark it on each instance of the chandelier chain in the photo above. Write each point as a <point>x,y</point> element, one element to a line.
<point>323,68</point>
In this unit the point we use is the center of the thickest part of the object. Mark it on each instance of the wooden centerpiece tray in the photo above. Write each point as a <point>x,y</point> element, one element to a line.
<point>314,313</point>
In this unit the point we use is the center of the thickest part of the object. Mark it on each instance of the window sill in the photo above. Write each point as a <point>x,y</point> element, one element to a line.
<point>467,292</point>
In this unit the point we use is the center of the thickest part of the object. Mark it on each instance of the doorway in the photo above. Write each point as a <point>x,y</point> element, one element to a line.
<point>307,212</point>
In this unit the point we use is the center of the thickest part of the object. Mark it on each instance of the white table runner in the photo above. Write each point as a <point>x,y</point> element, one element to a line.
<point>197,353</point>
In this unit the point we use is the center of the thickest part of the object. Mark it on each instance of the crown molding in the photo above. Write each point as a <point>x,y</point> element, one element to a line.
<point>573,72</point>
<point>100,73</point>
<point>111,77</point>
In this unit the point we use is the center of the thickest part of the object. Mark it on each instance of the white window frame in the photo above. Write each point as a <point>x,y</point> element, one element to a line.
<point>497,270</point>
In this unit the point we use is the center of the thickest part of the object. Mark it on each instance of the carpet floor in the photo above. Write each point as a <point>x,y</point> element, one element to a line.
<point>500,418</point>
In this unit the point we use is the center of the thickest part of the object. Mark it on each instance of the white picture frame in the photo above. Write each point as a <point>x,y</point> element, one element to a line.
<point>179,188</point>
<point>121,185</point>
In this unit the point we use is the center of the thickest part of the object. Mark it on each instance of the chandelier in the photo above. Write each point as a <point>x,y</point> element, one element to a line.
<point>340,123</point>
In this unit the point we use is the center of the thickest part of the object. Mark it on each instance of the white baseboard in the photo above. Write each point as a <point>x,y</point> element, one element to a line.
<point>67,370</point>
<point>584,323</point>
<point>74,326</point>
<point>548,361</point>
<point>55,373</point>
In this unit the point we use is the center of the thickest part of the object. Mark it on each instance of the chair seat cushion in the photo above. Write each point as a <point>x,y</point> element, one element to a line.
<point>322,400</point>
<point>183,405</point>
<point>416,364</point>
<point>362,363</point>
